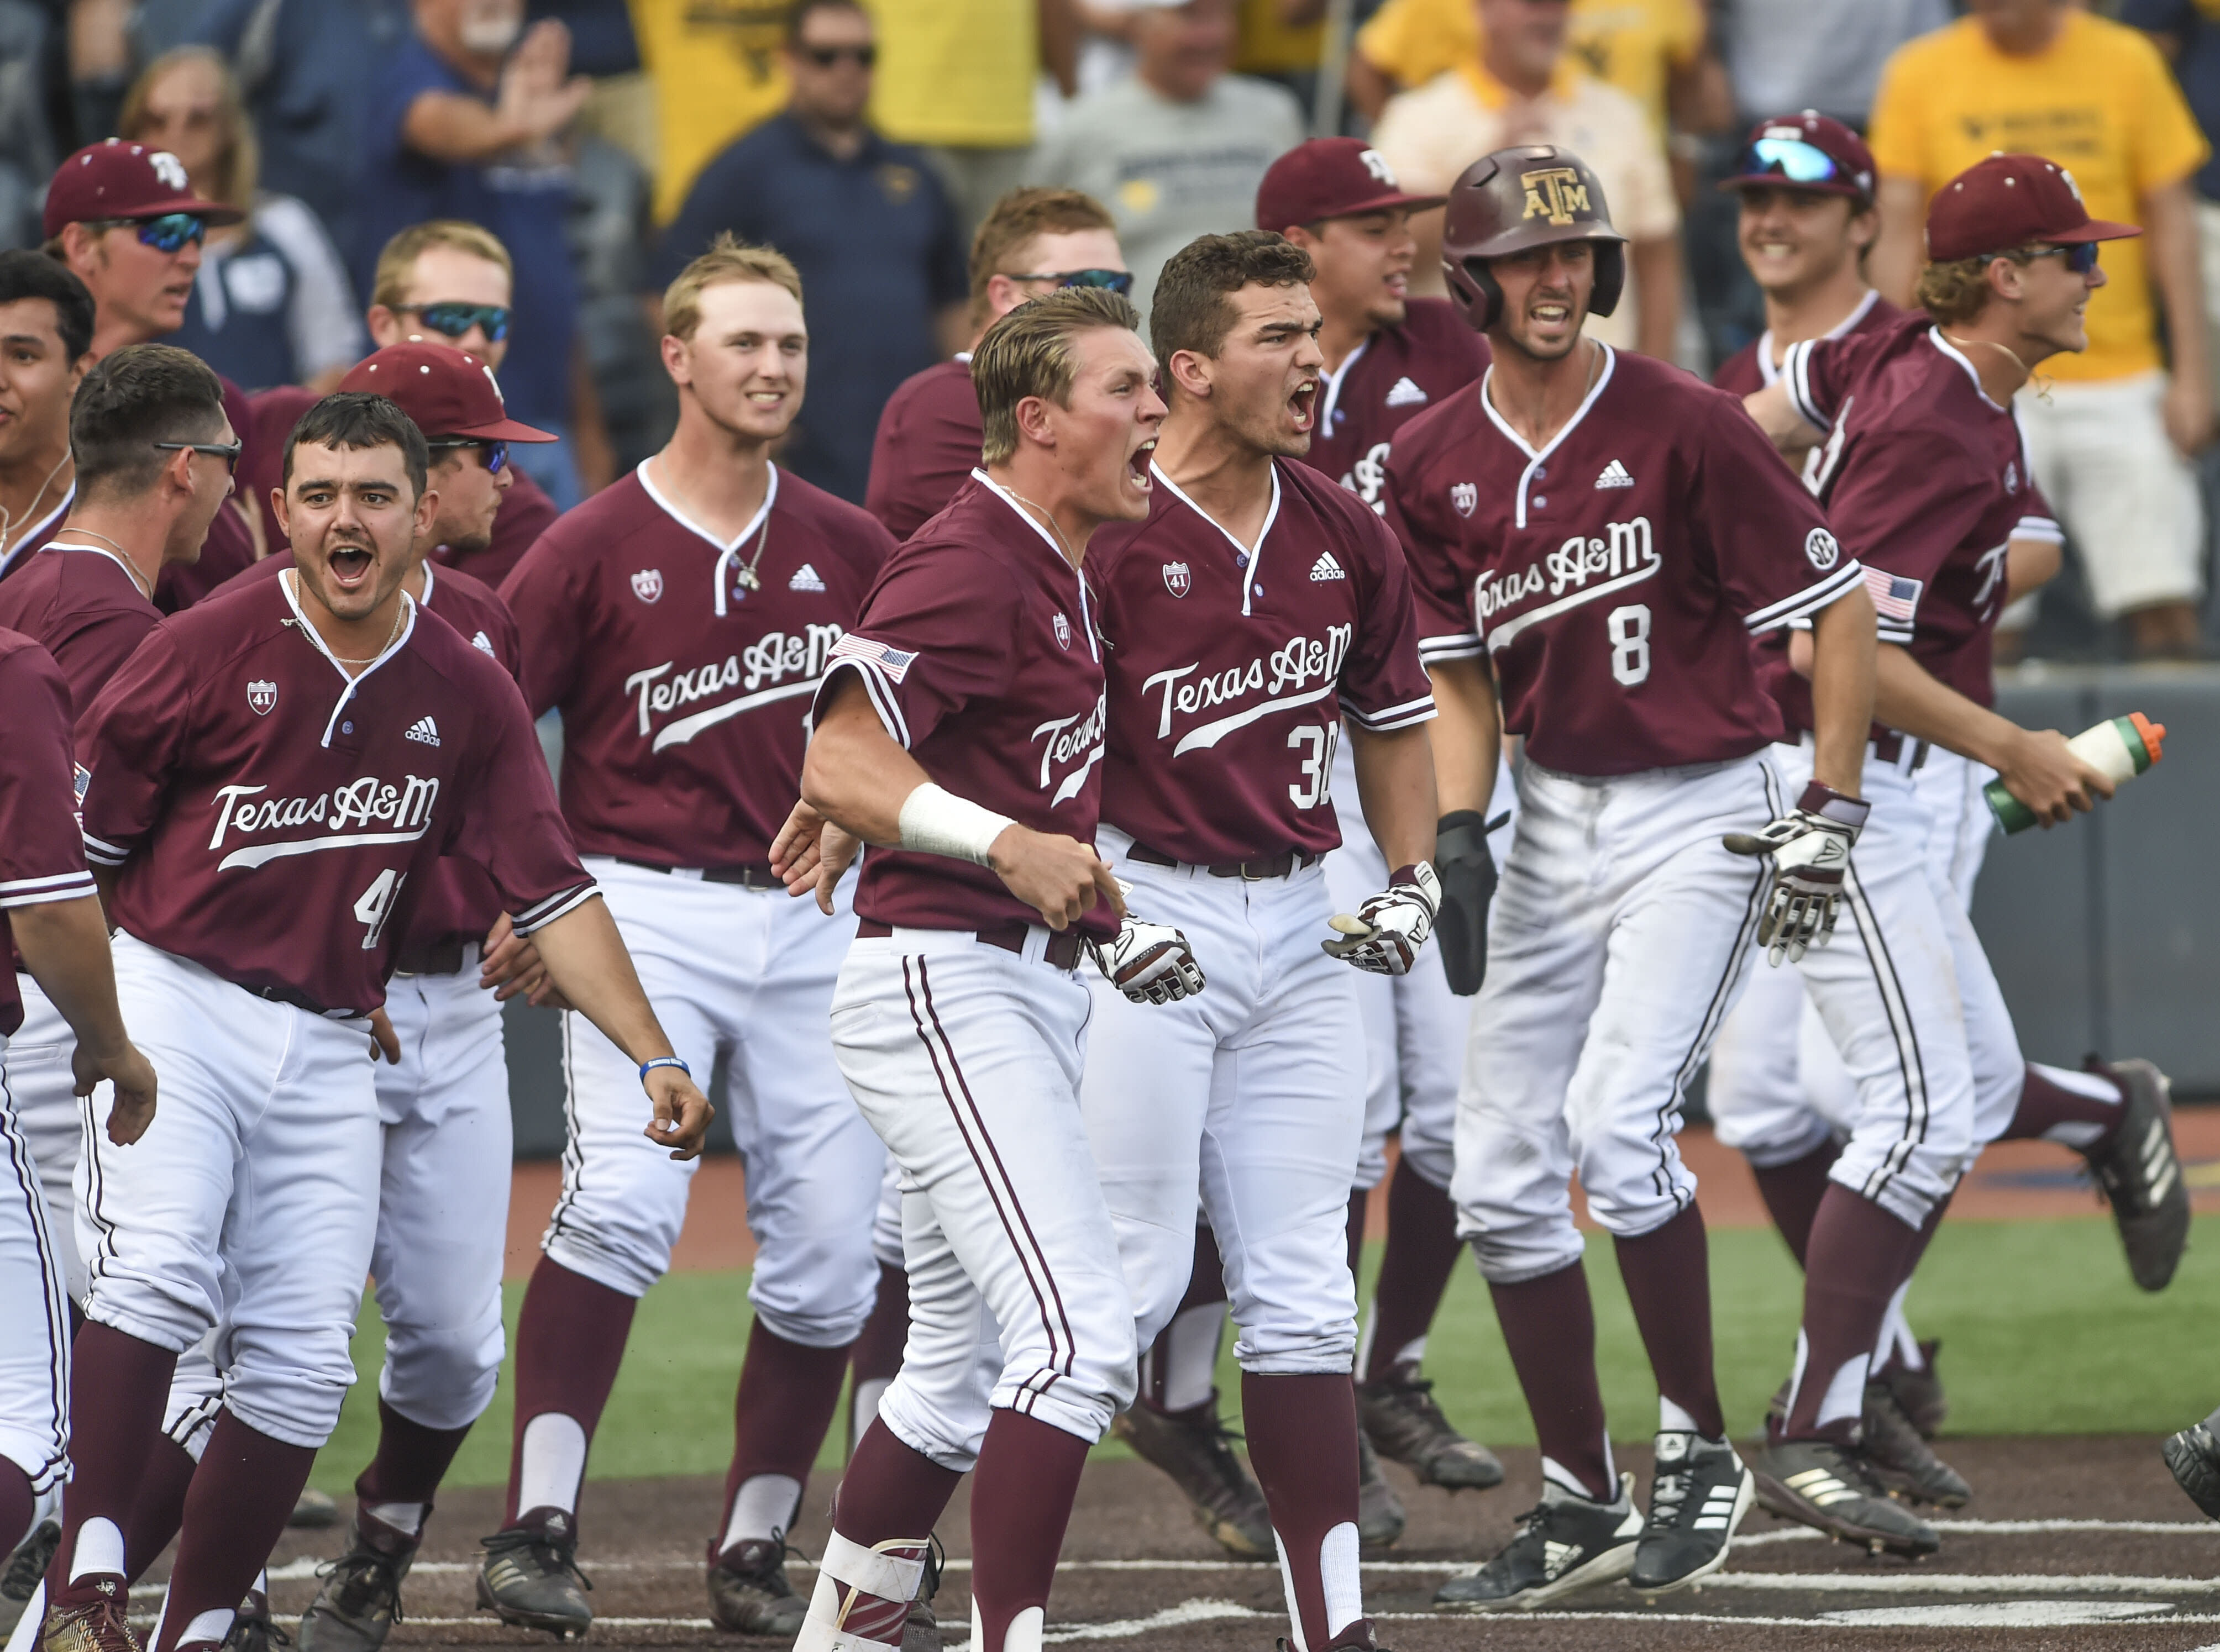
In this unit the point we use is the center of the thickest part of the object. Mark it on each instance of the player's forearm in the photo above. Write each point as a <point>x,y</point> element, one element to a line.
<point>1395,785</point>
<point>1466,737</point>
<point>1776,416</point>
<point>1906,696</point>
<point>1893,265</point>
<point>1843,644</point>
<point>855,775</point>
<point>1657,295</point>
<point>2029,564</point>
<point>587,960</point>
<point>65,946</point>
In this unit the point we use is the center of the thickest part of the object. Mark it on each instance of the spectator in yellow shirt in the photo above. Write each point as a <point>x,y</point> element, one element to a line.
<point>1522,85</point>
<point>2110,438</point>
<point>718,71</point>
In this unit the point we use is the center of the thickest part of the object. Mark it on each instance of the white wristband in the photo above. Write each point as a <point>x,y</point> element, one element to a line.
<point>938,822</point>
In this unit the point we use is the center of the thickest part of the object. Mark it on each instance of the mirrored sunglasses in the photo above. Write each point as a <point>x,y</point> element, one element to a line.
<point>1792,160</point>
<point>454,320</point>
<point>1117,281</point>
<point>496,453</point>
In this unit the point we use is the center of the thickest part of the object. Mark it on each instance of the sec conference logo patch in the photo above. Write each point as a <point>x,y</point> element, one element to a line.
<point>1179,580</point>
<point>262,695</point>
<point>647,584</point>
<point>1820,548</point>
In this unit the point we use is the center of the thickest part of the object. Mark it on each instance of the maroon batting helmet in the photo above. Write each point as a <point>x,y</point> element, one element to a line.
<point>1517,199</point>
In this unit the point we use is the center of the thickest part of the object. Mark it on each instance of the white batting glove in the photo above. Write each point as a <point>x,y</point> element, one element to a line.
<point>1389,930</point>
<point>1811,850</point>
<point>1150,964</point>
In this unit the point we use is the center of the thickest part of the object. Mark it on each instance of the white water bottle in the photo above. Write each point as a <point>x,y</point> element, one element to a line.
<point>2122,747</point>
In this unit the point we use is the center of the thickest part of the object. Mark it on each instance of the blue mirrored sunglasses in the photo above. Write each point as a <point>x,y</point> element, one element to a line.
<point>2081,256</point>
<point>1117,281</point>
<point>167,233</point>
<point>455,321</point>
<point>1792,160</point>
<point>496,453</point>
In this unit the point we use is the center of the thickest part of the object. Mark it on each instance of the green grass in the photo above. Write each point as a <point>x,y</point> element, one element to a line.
<point>2044,1333</point>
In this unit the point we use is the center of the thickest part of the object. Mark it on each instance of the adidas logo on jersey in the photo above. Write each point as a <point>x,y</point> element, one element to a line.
<point>804,579</point>
<point>1406,395</point>
<point>424,729</point>
<point>1325,568</point>
<point>482,643</point>
<point>1615,475</point>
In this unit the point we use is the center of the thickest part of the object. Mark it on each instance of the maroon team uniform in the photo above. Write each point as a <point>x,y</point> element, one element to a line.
<point>1612,580</point>
<point>927,447</point>
<point>1390,379</point>
<point>32,537</point>
<point>1751,368</point>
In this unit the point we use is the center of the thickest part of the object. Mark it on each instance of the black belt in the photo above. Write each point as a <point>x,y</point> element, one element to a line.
<point>756,877</point>
<point>298,1000</point>
<point>1285,865</point>
<point>439,957</point>
<point>1062,951</point>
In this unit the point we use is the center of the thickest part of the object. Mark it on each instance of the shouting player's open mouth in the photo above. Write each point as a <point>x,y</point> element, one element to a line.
<point>351,566</point>
<point>1138,463</point>
<point>1302,405</point>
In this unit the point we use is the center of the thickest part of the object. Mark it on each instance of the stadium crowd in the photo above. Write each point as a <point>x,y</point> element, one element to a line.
<point>356,310</point>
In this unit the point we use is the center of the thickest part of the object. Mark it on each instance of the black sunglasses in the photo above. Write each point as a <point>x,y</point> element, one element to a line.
<point>454,320</point>
<point>496,453</point>
<point>825,56</point>
<point>165,234</point>
<point>1117,281</point>
<point>227,451</point>
<point>2081,256</point>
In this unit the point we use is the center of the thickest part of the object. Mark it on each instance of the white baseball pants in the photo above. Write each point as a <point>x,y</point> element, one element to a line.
<point>34,1352</point>
<point>746,975</point>
<point>1254,1092</point>
<point>252,1200</point>
<point>966,1060</point>
<point>1959,828</point>
<point>51,1118</point>
<point>1618,940</point>
<point>1414,1025</point>
<point>1886,989</point>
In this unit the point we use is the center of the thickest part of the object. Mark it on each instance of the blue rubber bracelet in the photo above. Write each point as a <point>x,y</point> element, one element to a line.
<point>647,1066</point>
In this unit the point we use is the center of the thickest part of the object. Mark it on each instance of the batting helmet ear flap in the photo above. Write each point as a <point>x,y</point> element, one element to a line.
<point>1474,291</point>
<point>1610,277</point>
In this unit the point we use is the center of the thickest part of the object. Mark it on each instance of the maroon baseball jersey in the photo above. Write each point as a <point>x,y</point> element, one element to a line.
<point>685,693</point>
<point>525,512</point>
<point>980,651</point>
<point>1229,672</point>
<point>276,821</point>
<point>1927,481</point>
<point>32,540</point>
<point>1391,377</point>
<point>42,851</point>
<point>927,447</point>
<point>1751,368</point>
<point>1615,577</point>
<point>82,604</point>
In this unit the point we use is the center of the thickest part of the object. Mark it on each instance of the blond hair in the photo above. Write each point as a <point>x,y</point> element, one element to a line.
<point>396,261</point>
<point>726,260</point>
<point>238,163</point>
<point>1019,218</point>
<point>1033,350</point>
<point>1953,291</point>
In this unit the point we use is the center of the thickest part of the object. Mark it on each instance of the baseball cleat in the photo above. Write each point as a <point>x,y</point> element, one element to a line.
<point>1379,1517</point>
<point>2193,1455</point>
<point>19,1579</point>
<point>1403,1422</point>
<point>1920,1392</point>
<point>1831,1489</point>
<point>1359,1637</point>
<point>748,1591</point>
<point>2140,1173</point>
<point>530,1577</point>
<point>921,1630</point>
<point>251,1628</point>
<point>1195,1450</point>
<point>93,1624</point>
<point>312,1510</point>
<point>1697,1497</point>
<point>1900,1459</point>
<point>1565,1544</point>
<point>360,1600</point>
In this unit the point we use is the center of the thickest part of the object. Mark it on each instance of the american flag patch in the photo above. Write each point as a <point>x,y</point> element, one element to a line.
<point>1895,599</point>
<point>892,661</point>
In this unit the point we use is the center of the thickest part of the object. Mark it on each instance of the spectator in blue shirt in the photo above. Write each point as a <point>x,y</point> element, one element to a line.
<point>463,124</point>
<point>866,223</point>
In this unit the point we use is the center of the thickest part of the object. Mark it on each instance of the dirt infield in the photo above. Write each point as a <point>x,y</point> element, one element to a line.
<point>2079,1544</point>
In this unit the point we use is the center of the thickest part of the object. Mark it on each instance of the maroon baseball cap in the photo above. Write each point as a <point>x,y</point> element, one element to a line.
<point>2010,201</point>
<point>1330,178</point>
<point>447,392</point>
<point>115,179</point>
<point>1809,151</point>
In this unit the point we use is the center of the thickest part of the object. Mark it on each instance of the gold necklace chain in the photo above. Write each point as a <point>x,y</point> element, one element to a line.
<point>7,517</point>
<point>121,555</point>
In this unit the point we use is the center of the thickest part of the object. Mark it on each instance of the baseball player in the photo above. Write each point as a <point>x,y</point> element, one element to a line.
<point>268,783</point>
<point>51,912</point>
<point>1257,606</point>
<point>1604,535</point>
<point>45,325</point>
<point>122,218</point>
<point>1923,462</point>
<point>1389,357</point>
<point>680,621</point>
<point>960,734</point>
<point>442,1107</point>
